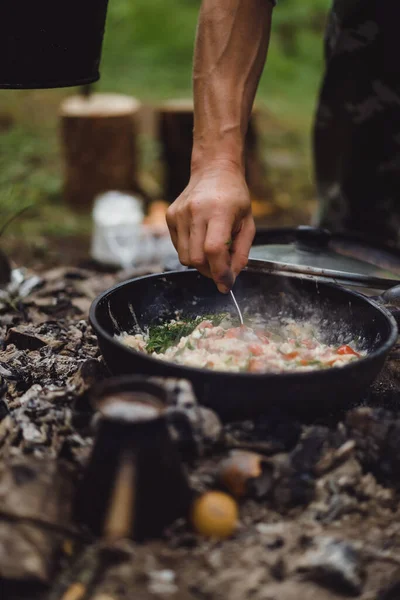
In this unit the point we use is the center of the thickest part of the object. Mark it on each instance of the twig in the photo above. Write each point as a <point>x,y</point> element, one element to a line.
<point>13,217</point>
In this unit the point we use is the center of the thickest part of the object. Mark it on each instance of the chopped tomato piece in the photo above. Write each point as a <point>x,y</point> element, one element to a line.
<point>304,362</point>
<point>346,350</point>
<point>255,349</point>
<point>291,355</point>
<point>230,334</point>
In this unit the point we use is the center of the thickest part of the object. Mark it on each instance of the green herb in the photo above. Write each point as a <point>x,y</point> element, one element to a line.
<point>162,337</point>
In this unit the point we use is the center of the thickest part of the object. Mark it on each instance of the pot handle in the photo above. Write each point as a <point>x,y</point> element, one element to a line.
<point>312,238</point>
<point>392,296</point>
<point>390,299</point>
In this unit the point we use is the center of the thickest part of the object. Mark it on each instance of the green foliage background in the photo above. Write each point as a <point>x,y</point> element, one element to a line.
<point>148,50</point>
<point>148,53</point>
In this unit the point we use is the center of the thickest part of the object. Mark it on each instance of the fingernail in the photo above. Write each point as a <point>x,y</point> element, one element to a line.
<point>223,289</point>
<point>227,280</point>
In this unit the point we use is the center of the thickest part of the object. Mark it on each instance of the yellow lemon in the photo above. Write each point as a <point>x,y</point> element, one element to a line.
<point>215,514</point>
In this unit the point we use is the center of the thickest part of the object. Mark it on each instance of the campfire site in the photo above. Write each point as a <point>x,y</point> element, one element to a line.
<point>273,508</point>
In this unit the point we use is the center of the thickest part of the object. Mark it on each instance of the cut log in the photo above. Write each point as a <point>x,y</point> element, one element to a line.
<point>99,146</point>
<point>175,132</point>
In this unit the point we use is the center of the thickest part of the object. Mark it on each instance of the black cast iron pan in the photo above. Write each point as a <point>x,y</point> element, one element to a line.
<point>343,315</point>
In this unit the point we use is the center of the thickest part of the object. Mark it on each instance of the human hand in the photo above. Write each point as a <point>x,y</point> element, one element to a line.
<point>211,223</point>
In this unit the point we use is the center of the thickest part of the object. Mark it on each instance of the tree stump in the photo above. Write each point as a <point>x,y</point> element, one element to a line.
<point>98,138</point>
<point>175,132</point>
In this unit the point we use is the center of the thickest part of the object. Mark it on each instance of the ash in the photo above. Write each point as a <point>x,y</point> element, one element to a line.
<point>326,525</point>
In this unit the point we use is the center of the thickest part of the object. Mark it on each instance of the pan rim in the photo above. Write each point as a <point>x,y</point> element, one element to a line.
<point>288,375</point>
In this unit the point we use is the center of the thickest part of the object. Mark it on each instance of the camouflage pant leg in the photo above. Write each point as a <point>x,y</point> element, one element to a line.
<point>357,128</point>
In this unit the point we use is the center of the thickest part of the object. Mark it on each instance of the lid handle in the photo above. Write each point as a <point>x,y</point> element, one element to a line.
<point>312,238</point>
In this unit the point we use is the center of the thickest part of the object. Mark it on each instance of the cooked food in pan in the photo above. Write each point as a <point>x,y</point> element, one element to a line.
<point>213,343</point>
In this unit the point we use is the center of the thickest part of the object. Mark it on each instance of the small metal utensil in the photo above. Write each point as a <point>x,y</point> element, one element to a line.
<point>237,308</point>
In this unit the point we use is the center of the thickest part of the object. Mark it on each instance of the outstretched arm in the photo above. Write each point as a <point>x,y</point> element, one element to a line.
<point>211,223</point>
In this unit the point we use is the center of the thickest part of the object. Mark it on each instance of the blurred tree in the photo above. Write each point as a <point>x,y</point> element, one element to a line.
<point>292,18</point>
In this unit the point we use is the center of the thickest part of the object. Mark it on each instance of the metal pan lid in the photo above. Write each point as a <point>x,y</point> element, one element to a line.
<point>311,254</point>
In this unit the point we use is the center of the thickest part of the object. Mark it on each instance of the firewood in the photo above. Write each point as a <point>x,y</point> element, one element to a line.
<point>99,145</point>
<point>175,131</point>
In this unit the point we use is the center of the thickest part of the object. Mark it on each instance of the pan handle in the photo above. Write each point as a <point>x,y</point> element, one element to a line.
<point>392,296</point>
<point>390,299</point>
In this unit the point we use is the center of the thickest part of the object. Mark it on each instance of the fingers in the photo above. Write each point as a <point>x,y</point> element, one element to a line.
<point>242,244</point>
<point>203,221</point>
<point>170,218</point>
<point>183,242</point>
<point>216,249</point>
<point>179,232</point>
<point>197,256</point>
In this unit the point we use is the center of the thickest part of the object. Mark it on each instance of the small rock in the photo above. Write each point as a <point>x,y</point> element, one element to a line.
<point>333,563</point>
<point>162,583</point>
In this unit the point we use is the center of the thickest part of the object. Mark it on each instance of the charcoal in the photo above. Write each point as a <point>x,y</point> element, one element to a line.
<point>334,564</point>
<point>22,590</point>
<point>391,591</point>
<point>3,409</point>
<point>377,435</point>
<point>293,489</point>
<point>194,428</point>
<point>267,435</point>
<point>9,373</point>
<point>91,371</point>
<point>314,443</point>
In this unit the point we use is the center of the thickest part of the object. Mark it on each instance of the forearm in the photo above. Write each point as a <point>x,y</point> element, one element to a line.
<point>231,48</point>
